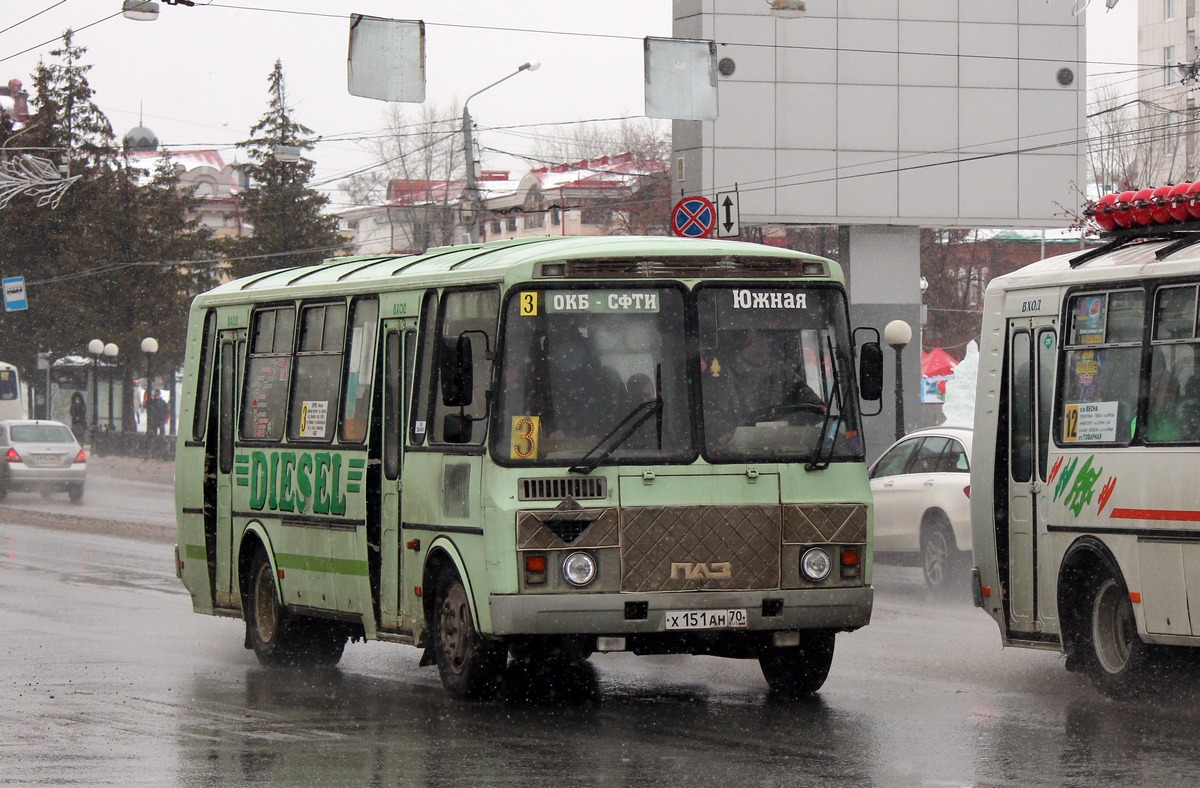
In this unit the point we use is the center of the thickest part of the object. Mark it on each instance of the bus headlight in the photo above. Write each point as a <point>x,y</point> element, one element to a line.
<point>815,564</point>
<point>579,569</point>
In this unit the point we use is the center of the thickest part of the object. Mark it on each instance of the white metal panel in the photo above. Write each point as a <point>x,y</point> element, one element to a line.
<point>937,45</point>
<point>807,53</point>
<point>810,188</point>
<point>804,118</point>
<point>987,121</point>
<point>1164,596</point>
<point>867,183</point>
<point>928,192</point>
<point>867,117</point>
<point>755,105</point>
<point>917,106</point>
<point>989,56</point>
<point>867,51</point>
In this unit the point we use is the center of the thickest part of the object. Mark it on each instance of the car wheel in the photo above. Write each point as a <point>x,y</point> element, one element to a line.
<point>470,665</point>
<point>1117,659</point>
<point>939,554</point>
<point>799,670</point>
<point>75,492</point>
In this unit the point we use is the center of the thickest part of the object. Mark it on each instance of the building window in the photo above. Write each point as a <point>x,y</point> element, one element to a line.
<point>1168,9</point>
<point>1168,66</point>
<point>511,224</point>
<point>535,221</point>
<point>554,217</point>
<point>495,227</point>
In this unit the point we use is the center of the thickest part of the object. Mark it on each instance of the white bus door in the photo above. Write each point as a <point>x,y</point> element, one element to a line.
<point>231,351</point>
<point>1031,362</point>
<point>392,399</point>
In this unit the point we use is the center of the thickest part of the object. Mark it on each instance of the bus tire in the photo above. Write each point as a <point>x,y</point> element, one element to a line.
<point>939,554</point>
<point>799,671</point>
<point>273,634</point>
<point>1117,659</point>
<point>469,664</point>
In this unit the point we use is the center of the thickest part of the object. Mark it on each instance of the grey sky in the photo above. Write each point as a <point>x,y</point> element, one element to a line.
<point>198,75</point>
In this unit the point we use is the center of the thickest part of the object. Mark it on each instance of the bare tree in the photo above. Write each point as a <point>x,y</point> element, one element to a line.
<point>646,139</point>
<point>419,173</point>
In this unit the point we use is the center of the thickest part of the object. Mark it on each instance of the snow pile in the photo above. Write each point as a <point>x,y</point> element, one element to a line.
<point>959,407</point>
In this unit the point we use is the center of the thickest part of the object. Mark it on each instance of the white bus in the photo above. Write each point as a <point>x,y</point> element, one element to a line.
<point>1085,506</point>
<point>12,404</point>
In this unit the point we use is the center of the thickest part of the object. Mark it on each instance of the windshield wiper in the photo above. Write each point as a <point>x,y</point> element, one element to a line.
<point>819,462</point>
<point>625,429</point>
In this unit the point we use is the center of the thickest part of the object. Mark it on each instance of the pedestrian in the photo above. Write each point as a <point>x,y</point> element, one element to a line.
<point>78,416</point>
<point>156,413</point>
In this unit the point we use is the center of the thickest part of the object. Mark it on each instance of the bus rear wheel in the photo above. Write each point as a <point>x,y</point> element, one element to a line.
<point>470,665</point>
<point>279,638</point>
<point>1119,660</point>
<point>799,671</point>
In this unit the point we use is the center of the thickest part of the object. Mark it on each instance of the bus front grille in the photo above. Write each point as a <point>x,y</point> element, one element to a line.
<point>578,487</point>
<point>700,548</point>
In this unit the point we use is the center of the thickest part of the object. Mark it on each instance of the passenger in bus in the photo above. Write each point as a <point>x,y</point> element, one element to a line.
<point>758,385</point>
<point>585,395</point>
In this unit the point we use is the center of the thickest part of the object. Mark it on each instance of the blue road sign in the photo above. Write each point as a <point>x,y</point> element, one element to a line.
<point>693,217</point>
<point>14,294</point>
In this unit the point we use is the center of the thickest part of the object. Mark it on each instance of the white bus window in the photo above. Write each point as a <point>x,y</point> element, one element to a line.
<point>470,315</point>
<point>1102,367</point>
<point>1173,407</point>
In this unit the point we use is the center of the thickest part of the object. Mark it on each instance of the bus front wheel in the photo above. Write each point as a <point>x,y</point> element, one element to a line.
<point>1119,660</point>
<point>470,665</point>
<point>797,671</point>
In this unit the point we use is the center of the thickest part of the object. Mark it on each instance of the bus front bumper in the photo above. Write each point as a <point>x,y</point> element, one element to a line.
<point>621,614</point>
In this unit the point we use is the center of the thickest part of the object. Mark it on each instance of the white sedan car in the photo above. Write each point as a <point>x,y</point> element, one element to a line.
<point>922,491</point>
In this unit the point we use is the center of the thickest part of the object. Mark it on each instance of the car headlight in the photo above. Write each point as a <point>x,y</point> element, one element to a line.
<point>579,569</point>
<point>816,564</point>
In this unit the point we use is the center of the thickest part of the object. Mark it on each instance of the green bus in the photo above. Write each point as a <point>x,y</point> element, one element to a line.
<point>541,448</point>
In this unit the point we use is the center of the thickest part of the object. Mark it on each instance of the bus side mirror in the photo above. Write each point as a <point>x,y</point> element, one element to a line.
<point>456,428</point>
<point>870,372</point>
<point>458,377</point>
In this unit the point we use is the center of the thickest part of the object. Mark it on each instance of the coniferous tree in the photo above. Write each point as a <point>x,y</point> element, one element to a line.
<point>103,263</point>
<point>285,213</point>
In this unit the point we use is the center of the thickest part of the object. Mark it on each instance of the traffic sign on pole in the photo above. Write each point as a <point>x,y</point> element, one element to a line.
<point>14,294</point>
<point>729,223</point>
<point>693,217</point>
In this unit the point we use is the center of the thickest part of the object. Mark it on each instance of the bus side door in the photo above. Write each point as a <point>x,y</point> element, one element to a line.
<point>1032,349</point>
<point>399,336</point>
<point>231,355</point>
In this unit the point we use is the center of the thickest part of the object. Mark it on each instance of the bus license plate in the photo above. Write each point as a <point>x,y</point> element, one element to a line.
<point>706,619</point>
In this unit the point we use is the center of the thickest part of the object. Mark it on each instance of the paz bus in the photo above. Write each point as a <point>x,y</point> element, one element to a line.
<point>541,448</point>
<point>1084,498</point>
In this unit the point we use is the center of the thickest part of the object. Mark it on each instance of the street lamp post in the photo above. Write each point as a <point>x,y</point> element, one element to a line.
<point>149,347</point>
<point>110,350</point>
<point>96,348</point>
<point>898,334</point>
<point>472,191</point>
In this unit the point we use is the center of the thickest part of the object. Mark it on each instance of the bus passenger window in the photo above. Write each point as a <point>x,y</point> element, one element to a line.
<point>316,390</point>
<point>1171,408</point>
<point>264,398</point>
<point>360,370</point>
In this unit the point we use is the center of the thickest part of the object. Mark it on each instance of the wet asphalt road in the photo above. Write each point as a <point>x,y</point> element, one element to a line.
<point>106,677</point>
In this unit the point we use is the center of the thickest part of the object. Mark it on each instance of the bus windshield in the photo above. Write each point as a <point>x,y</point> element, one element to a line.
<point>578,362</point>
<point>606,374</point>
<point>775,374</point>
